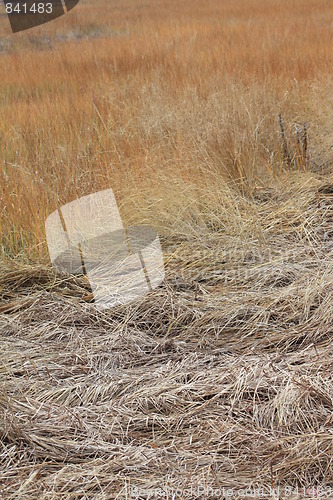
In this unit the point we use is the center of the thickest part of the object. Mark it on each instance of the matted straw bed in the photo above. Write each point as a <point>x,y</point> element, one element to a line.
<point>217,384</point>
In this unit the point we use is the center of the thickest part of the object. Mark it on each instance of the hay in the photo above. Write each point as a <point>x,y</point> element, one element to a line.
<point>220,378</point>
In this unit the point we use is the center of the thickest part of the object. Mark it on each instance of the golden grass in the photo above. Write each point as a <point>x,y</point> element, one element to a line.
<point>169,94</point>
<point>222,376</point>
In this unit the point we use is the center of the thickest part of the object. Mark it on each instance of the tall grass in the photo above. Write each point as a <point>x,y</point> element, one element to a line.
<point>165,102</point>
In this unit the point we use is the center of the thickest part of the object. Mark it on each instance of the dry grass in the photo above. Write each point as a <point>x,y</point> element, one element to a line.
<point>157,97</point>
<point>222,376</point>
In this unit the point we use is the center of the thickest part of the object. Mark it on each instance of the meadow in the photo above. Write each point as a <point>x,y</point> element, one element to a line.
<point>212,122</point>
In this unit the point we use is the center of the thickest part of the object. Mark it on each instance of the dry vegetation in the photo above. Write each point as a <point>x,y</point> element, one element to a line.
<point>222,376</point>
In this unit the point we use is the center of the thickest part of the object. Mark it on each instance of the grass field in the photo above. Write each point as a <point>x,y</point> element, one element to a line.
<point>212,122</point>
